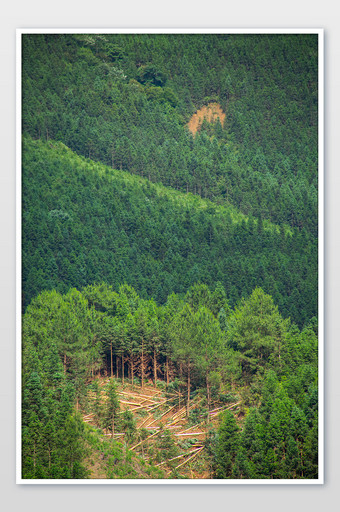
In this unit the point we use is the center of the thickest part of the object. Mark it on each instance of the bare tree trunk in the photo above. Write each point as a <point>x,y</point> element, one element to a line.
<point>132,369</point>
<point>117,366</point>
<point>208,394</point>
<point>188,399</point>
<point>279,352</point>
<point>154,367</point>
<point>111,359</point>
<point>167,370</point>
<point>142,363</point>
<point>123,369</point>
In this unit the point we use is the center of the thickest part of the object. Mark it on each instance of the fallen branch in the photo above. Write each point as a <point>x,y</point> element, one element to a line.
<point>215,410</point>
<point>194,426</point>
<point>129,403</point>
<point>190,458</point>
<point>122,434</point>
<point>143,441</point>
<point>189,434</point>
<point>182,412</point>
<point>136,397</point>
<point>164,414</point>
<point>179,456</point>
<point>146,420</point>
<point>137,408</point>
<point>226,409</point>
<point>179,412</point>
<point>178,419</point>
<point>148,400</point>
<point>153,407</point>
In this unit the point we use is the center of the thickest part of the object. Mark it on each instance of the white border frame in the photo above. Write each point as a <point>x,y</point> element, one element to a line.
<point>320,33</point>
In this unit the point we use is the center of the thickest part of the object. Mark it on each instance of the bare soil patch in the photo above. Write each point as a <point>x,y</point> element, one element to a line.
<point>210,113</point>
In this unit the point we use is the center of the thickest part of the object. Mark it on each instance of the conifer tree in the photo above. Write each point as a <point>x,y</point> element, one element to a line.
<point>111,408</point>
<point>227,447</point>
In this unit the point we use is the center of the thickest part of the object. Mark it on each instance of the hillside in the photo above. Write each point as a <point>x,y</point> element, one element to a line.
<point>160,432</point>
<point>126,99</point>
<point>170,256</point>
<point>84,222</point>
<point>115,386</point>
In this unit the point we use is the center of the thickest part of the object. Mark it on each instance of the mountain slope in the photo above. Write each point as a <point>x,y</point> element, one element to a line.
<point>83,222</point>
<point>125,100</point>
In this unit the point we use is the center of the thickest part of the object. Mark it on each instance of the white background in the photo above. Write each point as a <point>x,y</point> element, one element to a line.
<point>133,14</point>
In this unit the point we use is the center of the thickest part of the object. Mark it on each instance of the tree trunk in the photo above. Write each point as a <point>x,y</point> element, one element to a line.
<point>167,370</point>
<point>208,394</point>
<point>188,399</point>
<point>280,353</point>
<point>122,369</point>
<point>132,369</point>
<point>65,361</point>
<point>142,364</point>
<point>117,366</point>
<point>111,359</point>
<point>154,367</point>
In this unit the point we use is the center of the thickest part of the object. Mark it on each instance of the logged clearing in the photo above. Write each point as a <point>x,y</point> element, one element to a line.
<point>210,113</point>
<point>164,435</point>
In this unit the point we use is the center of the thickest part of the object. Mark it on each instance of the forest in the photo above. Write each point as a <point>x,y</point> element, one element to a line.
<point>169,275</point>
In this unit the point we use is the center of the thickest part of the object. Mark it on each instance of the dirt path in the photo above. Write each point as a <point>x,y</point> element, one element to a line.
<point>210,113</point>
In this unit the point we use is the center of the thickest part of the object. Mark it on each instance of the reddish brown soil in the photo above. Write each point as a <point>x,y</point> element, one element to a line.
<point>210,113</point>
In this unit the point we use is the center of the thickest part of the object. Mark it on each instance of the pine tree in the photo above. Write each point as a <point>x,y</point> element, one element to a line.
<point>111,408</point>
<point>227,446</point>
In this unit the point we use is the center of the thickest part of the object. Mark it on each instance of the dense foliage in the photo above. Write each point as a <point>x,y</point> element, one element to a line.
<point>67,339</point>
<point>84,223</point>
<point>125,100</point>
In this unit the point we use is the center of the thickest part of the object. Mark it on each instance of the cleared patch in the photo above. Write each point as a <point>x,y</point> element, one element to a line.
<point>210,113</point>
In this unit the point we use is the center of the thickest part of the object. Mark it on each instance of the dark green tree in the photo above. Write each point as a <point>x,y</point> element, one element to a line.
<point>227,446</point>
